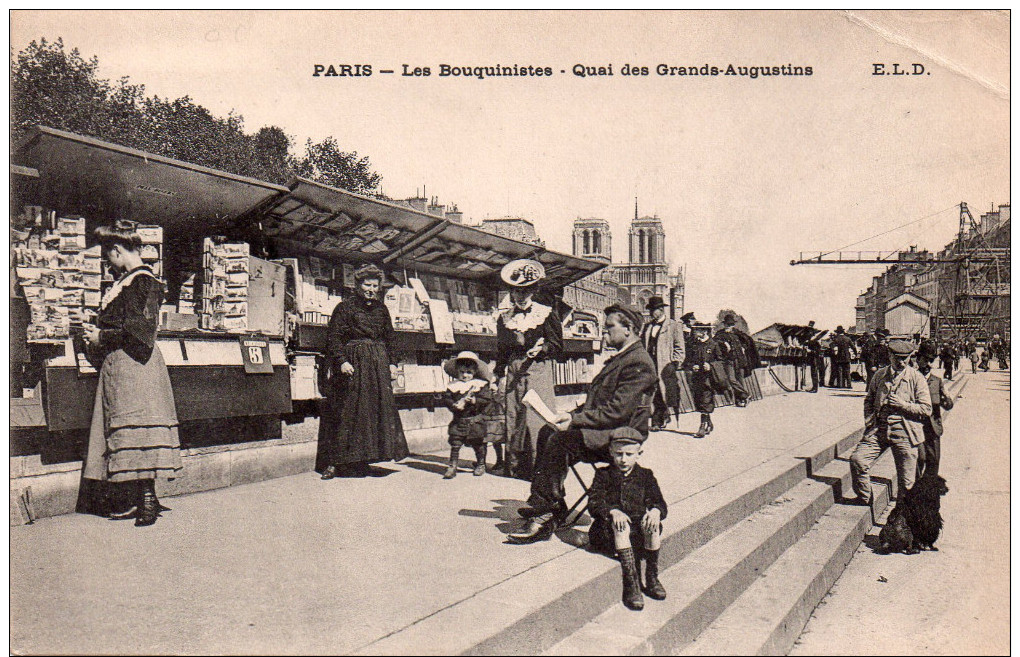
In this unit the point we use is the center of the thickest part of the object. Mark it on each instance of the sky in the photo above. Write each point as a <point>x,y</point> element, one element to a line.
<point>745,173</point>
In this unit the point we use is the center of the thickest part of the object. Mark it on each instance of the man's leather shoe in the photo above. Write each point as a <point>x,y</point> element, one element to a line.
<point>539,528</point>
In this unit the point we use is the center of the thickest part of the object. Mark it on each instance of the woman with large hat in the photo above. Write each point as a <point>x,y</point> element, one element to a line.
<point>528,334</point>
<point>134,435</point>
<point>360,424</point>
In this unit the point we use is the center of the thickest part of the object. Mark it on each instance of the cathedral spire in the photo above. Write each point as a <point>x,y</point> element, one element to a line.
<point>635,208</point>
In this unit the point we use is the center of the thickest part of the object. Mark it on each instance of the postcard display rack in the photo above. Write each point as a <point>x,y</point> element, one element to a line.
<point>233,298</point>
<point>433,317</point>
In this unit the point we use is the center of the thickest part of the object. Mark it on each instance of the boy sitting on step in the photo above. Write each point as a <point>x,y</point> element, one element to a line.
<point>469,396</point>
<point>627,509</point>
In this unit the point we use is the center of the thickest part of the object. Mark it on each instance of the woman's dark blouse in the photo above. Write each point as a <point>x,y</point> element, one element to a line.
<point>358,319</point>
<point>131,320</point>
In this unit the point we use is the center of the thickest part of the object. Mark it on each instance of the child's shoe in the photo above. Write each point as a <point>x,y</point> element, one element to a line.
<point>479,469</point>
<point>632,598</point>
<point>451,471</point>
<point>653,587</point>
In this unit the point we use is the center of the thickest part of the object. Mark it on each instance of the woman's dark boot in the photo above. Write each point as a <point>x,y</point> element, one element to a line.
<point>653,587</point>
<point>632,598</point>
<point>451,470</point>
<point>124,498</point>
<point>329,472</point>
<point>480,451</point>
<point>148,511</point>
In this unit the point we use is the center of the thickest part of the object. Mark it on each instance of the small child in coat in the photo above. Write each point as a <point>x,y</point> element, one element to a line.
<point>627,508</point>
<point>470,397</point>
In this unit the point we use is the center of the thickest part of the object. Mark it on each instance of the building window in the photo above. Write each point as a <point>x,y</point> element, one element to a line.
<point>596,242</point>
<point>641,245</point>
<point>587,242</point>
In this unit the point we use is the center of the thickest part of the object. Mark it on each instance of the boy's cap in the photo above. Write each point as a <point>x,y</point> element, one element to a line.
<point>626,435</point>
<point>901,347</point>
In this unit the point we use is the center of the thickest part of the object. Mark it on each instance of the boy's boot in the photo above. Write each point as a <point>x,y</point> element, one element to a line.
<point>500,467</point>
<point>632,598</point>
<point>708,422</point>
<point>480,451</point>
<point>451,470</point>
<point>703,429</point>
<point>653,587</point>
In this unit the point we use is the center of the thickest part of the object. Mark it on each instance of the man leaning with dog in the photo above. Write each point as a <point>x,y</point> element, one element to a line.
<point>618,396</point>
<point>896,406</point>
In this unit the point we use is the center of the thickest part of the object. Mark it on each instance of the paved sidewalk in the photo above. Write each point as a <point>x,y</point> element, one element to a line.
<point>298,565</point>
<point>951,602</point>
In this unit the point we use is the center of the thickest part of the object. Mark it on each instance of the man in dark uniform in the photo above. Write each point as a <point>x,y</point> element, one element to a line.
<point>816,357</point>
<point>842,353</point>
<point>931,452</point>
<point>618,396</point>
<point>735,358</point>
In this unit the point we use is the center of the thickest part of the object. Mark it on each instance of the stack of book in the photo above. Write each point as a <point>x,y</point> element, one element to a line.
<point>224,286</point>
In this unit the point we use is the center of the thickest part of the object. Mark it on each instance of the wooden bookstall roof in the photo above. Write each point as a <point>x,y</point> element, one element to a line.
<point>347,227</point>
<point>99,179</point>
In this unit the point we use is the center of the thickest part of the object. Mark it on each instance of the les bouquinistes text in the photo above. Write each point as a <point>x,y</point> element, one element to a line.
<point>577,70</point>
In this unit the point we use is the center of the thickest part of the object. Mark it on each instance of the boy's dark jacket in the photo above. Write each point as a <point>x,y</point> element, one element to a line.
<point>634,494</point>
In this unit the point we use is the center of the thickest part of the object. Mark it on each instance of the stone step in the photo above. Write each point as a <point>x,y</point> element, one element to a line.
<point>705,582</point>
<point>567,591</point>
<point>769,616</point>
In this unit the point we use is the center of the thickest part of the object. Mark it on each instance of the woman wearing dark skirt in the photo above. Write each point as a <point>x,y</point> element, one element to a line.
<point>360,424</point>
<point>133,439</point>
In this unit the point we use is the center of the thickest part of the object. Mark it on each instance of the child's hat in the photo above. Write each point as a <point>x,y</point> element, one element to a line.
<point>626,435</point>
<point>450,365</point>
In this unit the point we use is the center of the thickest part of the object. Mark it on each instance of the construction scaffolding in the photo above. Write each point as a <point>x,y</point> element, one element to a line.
<point>973,280</point>
<point>971,276</point>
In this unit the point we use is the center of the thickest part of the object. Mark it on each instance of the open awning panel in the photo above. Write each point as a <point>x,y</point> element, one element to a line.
<point>100,180</point>
<point>344,226</point>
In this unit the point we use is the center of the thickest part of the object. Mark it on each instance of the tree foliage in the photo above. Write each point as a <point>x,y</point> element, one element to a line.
<point>60,89</point>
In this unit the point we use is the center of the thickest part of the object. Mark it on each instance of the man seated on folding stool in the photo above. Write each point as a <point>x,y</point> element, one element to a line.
<point>618,396</point>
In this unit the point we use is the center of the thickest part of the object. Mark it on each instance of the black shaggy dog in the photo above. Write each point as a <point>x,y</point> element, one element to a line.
<point>916,522</point>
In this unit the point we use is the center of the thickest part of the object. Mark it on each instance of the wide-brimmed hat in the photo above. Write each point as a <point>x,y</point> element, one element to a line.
<point>450,365</point>
<point>655,302</point>
<point>840,330</point>
<point>730,319</point>
<point>522,273</point>
<point>927,351</point>
<point>688,317</point>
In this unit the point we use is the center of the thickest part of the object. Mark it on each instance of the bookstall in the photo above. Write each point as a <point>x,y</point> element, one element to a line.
<point>252,271</point>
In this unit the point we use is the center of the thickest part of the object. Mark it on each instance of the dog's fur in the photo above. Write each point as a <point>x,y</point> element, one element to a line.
<point>916,522</point>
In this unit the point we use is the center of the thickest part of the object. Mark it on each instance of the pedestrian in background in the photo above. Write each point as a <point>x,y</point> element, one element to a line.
<point>948,358</point>
<point>740,357</point>
<point>816,357</point>
<point>134,434</point>
<point>664,341</point>
<point>842,353</point>
<point>895,408</point>
<point>931,449</point>
<point>702,353</point>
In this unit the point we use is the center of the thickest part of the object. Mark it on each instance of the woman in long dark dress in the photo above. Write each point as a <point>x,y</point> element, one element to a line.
<point>133,438</point>
<point>360,424</point>
<point>528,335</point>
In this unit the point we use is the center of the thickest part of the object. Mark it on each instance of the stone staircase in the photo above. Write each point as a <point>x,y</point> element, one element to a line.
<point>744,562</point>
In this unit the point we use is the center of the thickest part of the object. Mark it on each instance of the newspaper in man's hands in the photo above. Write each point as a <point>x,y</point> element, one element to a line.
<point>535,403</point>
